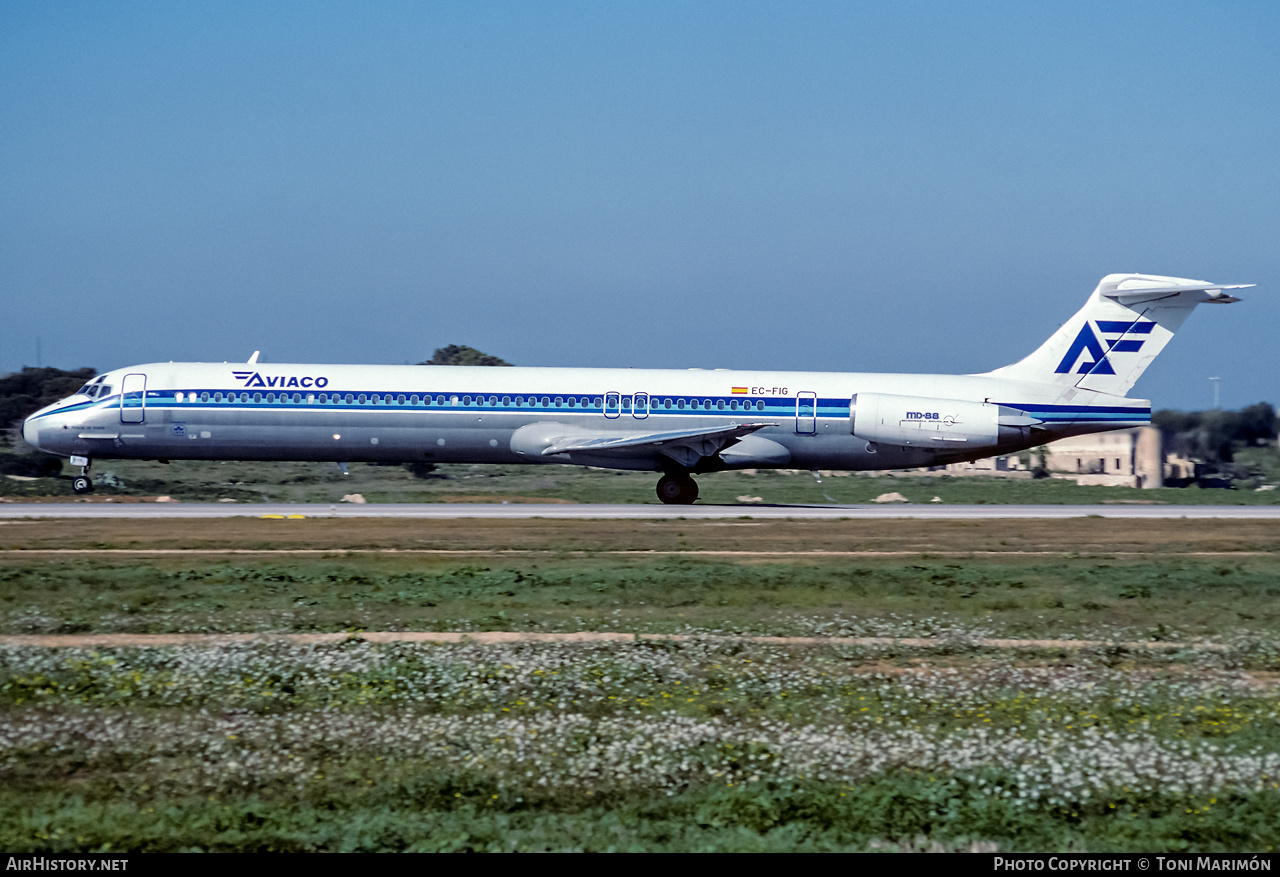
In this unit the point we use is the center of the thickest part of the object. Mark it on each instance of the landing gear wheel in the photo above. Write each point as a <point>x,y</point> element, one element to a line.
<point>677,490</point>
<point>82,484</point>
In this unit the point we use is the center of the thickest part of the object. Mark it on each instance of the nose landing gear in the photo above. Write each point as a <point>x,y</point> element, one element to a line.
<point>677,490</point>
<point>82,483</point>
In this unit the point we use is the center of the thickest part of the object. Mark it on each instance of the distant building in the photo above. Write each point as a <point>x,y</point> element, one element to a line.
<point>1124,458</point>
<point>1003,466</point>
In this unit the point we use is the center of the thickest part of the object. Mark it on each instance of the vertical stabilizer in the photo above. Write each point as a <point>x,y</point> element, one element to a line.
<point>1110,342</point>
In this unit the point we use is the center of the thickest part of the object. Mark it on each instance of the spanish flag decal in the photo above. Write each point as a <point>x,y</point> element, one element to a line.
<point>742,390</point>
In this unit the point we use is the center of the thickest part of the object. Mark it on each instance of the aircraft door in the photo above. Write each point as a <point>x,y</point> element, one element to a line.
<point>612,405</point>
<point>133,399</point>
<point>806,413</point>
<point>640,406</point>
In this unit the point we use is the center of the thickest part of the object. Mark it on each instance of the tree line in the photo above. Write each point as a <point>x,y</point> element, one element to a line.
<point>1214,436</point>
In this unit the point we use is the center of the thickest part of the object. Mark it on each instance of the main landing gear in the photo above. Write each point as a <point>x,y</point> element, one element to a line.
<point>677,490</point>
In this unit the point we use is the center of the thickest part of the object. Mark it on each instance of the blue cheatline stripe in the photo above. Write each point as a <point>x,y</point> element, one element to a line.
<point>782,406</point>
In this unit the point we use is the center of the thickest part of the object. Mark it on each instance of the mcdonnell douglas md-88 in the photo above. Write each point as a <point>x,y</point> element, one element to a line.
<point>677,422</point>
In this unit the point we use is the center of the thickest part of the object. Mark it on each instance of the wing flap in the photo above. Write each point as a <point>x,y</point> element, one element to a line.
<point>684,446</point>
<point>605,442</point>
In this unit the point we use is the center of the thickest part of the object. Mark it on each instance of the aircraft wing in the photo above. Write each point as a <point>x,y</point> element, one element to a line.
<point>605,442</point>
<point>685,446</point>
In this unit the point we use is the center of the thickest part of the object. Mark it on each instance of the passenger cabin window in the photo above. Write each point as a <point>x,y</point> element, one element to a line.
<point>546,401</point>
<point>679,403</point>
<point>760,405</point>
<point>401,398</point>
<point>271,397</point>
<point>257,397</point>
<point>720,404</point>
<point>493,400</point>
<point>506,400</point>
<point>204,397</point>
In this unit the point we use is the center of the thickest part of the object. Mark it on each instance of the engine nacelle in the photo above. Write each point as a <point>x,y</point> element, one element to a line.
<point>921,421</point>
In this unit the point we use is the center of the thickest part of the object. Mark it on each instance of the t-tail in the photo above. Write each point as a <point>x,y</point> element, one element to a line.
<point>1110,342</point>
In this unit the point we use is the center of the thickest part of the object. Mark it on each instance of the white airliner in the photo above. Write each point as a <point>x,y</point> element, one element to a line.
<point>677,422</point>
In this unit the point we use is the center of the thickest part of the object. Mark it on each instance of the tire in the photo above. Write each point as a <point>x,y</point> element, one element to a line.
<point>82,484</point>
<point>677,490</point>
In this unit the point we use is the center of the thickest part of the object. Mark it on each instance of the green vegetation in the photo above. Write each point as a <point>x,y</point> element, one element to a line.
<point>456,354</point>
<point>1236,445</point>
<point>21,394</point>
<point>657,746</point>
<point>1215,435</point>
<point>934,738</point>
<point>1160,598</point>
<point>197,481</point>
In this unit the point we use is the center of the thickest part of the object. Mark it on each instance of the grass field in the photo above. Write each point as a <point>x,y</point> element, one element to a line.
<point>709,743</point>
<point>322,482</point>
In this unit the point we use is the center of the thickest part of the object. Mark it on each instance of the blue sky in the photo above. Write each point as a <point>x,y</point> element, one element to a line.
<point>914,186</point>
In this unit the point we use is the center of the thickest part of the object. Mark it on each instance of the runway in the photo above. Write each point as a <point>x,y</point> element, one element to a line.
<point>632,512</point>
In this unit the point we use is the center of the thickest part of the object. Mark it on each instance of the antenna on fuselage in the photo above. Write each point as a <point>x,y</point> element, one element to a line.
<point>254,359</point>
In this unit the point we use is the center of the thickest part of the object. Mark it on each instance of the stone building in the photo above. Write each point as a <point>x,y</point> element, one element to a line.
<point>1124,458</point>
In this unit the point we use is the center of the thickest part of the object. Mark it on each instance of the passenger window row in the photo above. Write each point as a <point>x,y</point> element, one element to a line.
<point>584,402</point>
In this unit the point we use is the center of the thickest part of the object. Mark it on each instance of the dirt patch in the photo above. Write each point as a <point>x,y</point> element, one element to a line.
<point>1076,537</point>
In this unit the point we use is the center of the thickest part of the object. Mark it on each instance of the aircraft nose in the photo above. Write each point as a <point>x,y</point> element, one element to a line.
<point>29,432</point>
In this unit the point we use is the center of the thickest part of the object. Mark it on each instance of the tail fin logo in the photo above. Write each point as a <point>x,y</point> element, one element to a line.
<point>1087,342</point>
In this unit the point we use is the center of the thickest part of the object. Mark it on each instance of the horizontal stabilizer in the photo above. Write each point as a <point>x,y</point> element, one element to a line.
<point>1155,293</point>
